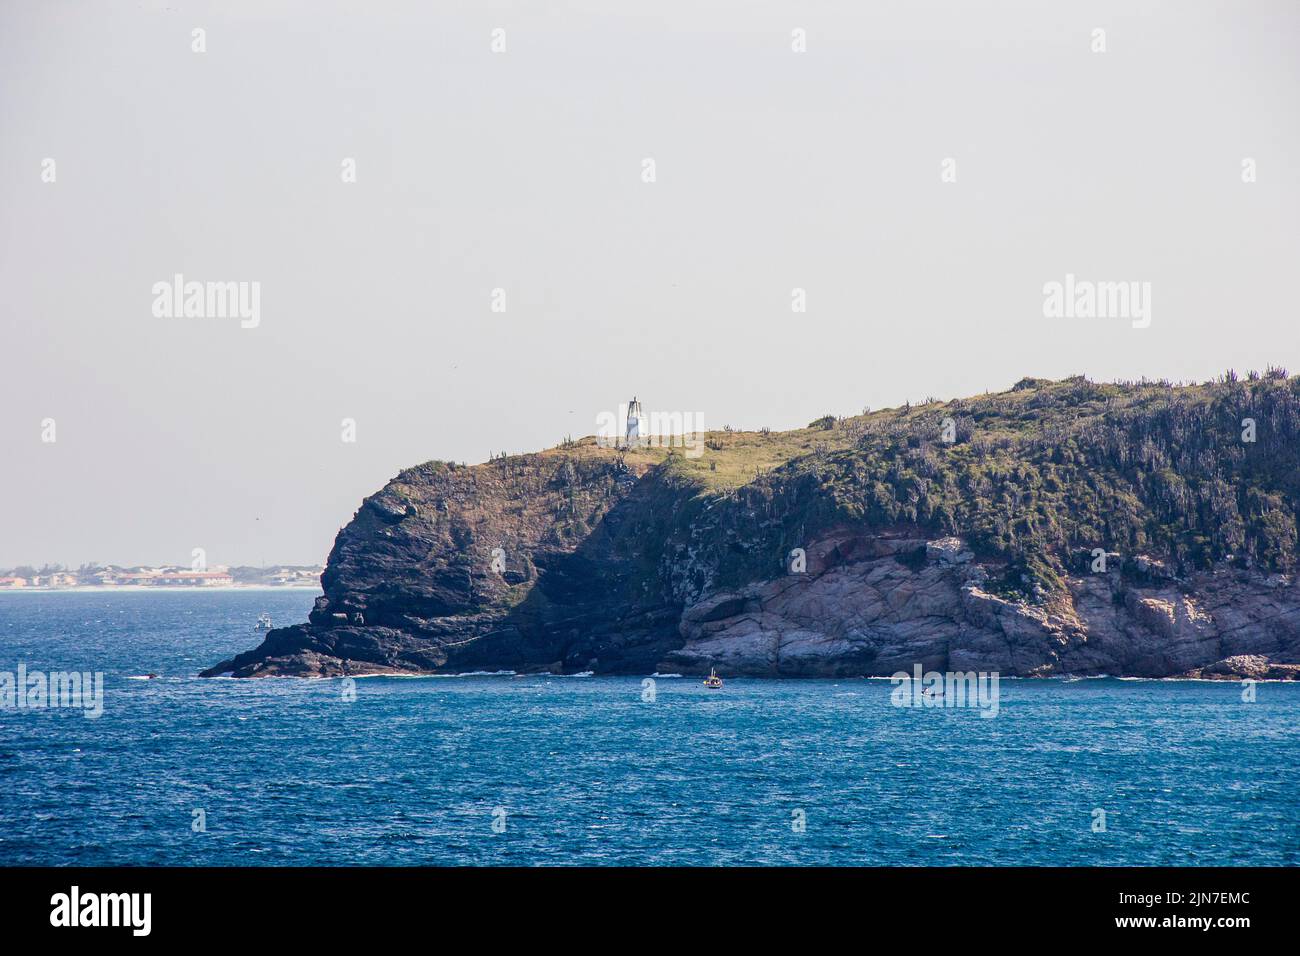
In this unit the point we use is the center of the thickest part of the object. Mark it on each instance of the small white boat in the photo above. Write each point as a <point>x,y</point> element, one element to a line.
<point>263,622</point>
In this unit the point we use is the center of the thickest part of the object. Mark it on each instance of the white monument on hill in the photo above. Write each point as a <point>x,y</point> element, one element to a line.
<point>633,423</point>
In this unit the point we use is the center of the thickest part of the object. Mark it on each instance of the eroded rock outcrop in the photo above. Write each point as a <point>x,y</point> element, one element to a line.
<point>879,615</point>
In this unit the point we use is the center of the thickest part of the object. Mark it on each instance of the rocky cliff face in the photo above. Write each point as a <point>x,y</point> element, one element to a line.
<point>965,548</point>
<point>540,562</point>
<point>876,606</point>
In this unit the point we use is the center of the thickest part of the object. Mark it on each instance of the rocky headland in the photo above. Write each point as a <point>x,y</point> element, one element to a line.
<point>1057,528</point>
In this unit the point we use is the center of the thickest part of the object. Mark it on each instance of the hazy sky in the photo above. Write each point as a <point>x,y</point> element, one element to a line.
<point>523,171</point>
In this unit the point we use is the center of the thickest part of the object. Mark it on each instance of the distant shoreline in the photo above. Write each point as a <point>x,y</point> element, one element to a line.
<point>161,589</point>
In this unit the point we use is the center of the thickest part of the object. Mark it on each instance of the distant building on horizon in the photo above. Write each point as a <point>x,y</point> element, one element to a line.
<point>59,579</point>
<point>163,577</point>
<point>204,579</point>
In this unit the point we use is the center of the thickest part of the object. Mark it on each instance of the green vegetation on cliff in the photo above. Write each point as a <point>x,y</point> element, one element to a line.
<point>1036,477</point>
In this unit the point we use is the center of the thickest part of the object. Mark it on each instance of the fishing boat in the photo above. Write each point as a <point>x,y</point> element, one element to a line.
<point>263,622</point>
<point>713,681</point>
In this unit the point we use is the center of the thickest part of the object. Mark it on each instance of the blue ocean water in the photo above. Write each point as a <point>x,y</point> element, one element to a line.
<point>583,770</point>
